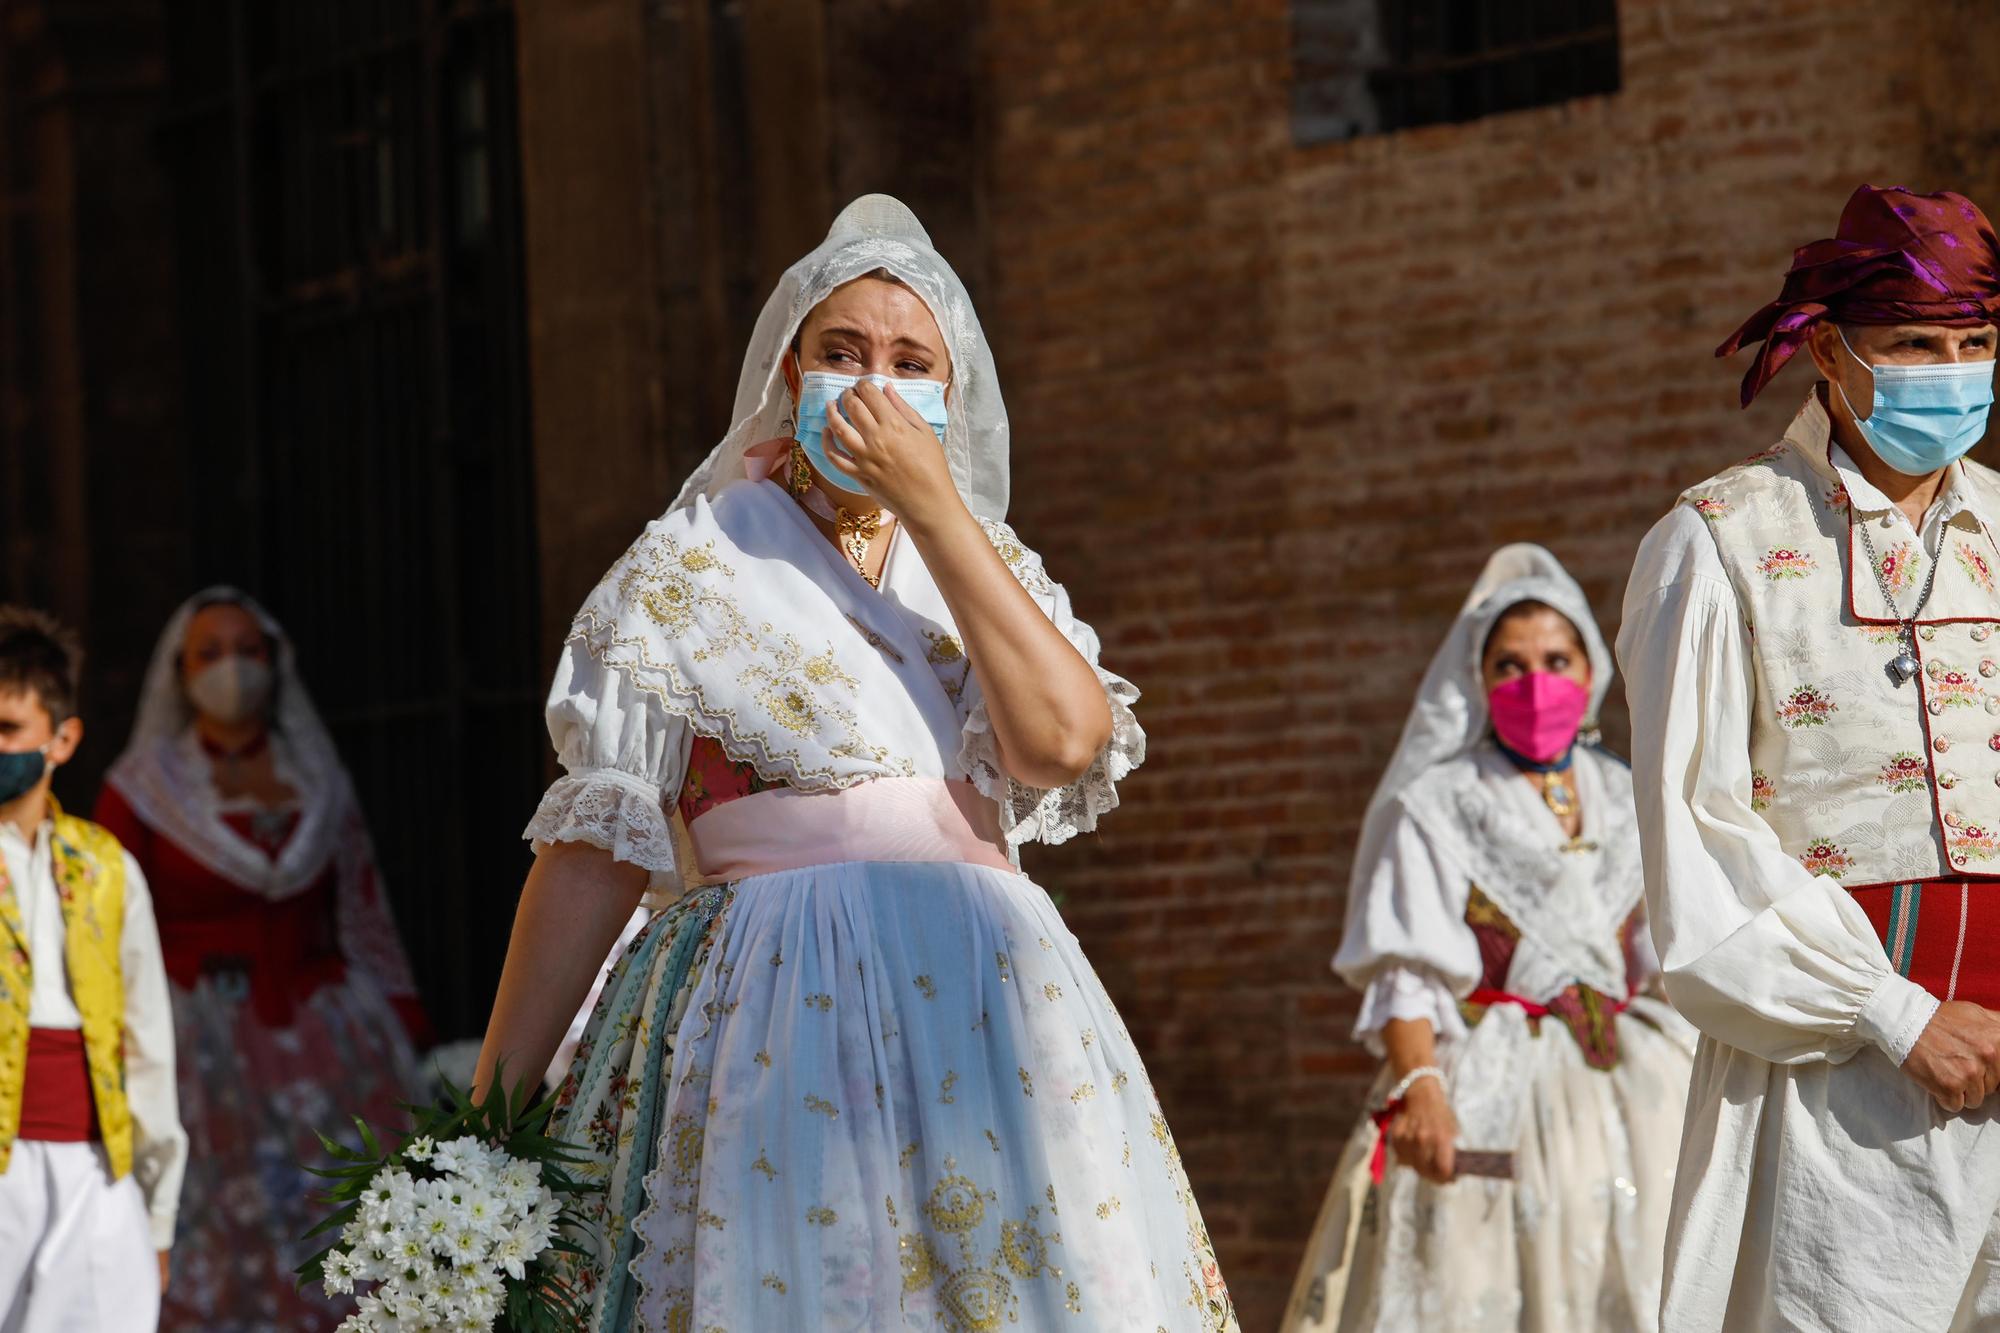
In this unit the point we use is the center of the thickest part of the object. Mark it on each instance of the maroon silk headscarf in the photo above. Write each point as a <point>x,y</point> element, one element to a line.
<point>1897,258</point>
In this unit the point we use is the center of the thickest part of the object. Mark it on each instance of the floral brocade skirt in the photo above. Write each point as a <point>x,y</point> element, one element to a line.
<point>251,1097</point>
<point>875,1096</point>
<point>1574,1243</point>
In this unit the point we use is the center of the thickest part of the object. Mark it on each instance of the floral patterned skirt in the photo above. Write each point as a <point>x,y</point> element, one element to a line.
<point>251,1097</point>
<point>877,1096</point>
<point>1574,1243</point>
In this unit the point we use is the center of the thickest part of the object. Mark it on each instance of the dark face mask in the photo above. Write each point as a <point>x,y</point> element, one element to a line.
<point>20,772</point>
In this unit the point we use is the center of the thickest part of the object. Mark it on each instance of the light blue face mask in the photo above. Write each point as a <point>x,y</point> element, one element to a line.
<point>1925,418</point>
<point>817,388</point>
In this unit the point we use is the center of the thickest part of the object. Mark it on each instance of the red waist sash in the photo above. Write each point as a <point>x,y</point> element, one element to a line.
<point>1943,934</point>
<point>56,1105</point>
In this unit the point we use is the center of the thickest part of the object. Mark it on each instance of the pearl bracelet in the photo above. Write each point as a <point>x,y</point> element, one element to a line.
<point>1410,1080</point>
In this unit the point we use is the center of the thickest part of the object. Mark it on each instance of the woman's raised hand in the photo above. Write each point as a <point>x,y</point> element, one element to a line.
<point>891,450</point>
<point>1425,1132</point>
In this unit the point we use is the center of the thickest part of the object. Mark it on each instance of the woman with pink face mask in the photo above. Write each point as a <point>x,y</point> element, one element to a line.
<point>1516,1163</point>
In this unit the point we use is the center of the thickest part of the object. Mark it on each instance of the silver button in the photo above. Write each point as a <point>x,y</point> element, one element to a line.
<point>1993,703</point>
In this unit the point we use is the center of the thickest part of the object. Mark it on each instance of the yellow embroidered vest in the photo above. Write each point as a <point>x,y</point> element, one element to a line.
<point>1863,779</point>
<point>90,883</point>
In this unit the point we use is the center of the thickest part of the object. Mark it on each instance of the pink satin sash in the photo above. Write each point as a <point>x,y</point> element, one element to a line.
<point>887,819</point>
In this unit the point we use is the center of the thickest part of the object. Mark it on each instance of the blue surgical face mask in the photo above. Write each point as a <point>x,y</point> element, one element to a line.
<point>1925,418</point>
<point>817,388</point>
<point>20,772</point>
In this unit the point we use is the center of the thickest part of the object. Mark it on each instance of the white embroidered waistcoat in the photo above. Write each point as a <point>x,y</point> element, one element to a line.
<point>1863,779</point>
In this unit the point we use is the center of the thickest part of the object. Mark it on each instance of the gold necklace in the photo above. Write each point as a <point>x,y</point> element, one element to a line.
<point>1556,794</point>
<point>856,532</point>
<point>853,533</point>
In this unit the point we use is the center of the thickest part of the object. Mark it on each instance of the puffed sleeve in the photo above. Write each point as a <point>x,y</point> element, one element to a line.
<point>623,757</point>
<point>1405,945</point>
<point>1051,815</point>
<point>1756,951</point>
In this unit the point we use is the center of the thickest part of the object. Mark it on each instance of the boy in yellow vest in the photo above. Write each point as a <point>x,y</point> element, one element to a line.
<point>91,1146</point>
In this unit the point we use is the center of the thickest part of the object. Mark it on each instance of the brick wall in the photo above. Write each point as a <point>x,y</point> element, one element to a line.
<point>1273,407</point>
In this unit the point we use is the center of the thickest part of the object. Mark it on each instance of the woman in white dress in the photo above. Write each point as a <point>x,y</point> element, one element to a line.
<point>868,1081</point>
<point>1515,1171</point>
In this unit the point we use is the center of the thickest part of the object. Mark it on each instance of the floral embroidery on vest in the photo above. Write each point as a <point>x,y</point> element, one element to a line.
<point>1807,707</point>
<point>1785,563</point>
<point>1824,858</point>
<point>1762,789</point>
<point>1975,566</point>
<point>1905,773</point>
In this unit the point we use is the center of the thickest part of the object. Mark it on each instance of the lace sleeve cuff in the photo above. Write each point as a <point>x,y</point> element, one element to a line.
<point>1408,993</point>
<point>611,809</point>
<point>1035,814</point>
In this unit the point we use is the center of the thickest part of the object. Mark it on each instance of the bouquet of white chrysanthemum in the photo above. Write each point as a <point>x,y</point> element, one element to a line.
<point>459,1227</point>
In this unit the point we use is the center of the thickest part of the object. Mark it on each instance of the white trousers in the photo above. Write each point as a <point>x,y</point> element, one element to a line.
<point>76,1250</point>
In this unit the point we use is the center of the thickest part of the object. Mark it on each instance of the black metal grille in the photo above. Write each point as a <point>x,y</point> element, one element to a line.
<point>347,191</point>
<point>1375,66</point>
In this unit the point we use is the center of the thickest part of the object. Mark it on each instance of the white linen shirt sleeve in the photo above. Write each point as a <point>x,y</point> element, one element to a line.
<point>159,1143</point>
<point>624,756</point>
<point>1755,950</point>
<point>1406,946</point>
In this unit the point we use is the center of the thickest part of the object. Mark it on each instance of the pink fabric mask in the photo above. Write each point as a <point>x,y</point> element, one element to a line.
<point>1537,715</point>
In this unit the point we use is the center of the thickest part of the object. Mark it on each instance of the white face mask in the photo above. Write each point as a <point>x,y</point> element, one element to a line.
<point>231,690</point>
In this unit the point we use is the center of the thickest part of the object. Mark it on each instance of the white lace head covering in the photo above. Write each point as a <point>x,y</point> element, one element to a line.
<point>874,232</point>
<point>167,779</point>
<point>1449,716</point>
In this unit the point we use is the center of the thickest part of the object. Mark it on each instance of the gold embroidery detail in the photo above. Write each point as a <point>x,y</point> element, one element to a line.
<point>1089,1037</point>
<point>774,1283</point>
<point>993,1139</point>
<point>1052,992</point>
<point>820,1001</point>
<point>890,1203</point>
<point>763,1058</point>
<point>927,987</point>
<point>956,1203</point>
<point>1001,959</point>
<point>920,1264</point>
<point>1083,1093</point>
<point>1118,1080</point>
<point>821,1106</point>
<point>763,1165</point>
<point>1108,1207</point>
<point>821,1216</point>
<point>944,1089</point>
<point>945,648</point>
<point>1027,1081</point>
<point>908,1155</point>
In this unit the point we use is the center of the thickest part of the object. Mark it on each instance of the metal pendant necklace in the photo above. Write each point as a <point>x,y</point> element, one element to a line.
<point>1903,667</point>
<point>855,532</point>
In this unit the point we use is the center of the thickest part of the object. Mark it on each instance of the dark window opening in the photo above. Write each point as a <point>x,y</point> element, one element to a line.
<point>1377,66</point>
<point>347,239</point>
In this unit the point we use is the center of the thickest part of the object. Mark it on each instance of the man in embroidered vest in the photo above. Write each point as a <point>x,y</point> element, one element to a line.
<point>1810,653</point>
<point>91,1146</point>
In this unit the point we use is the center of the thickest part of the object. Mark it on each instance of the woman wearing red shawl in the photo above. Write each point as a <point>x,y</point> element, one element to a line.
<point>292,999</point>
<point>1810,657</point>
